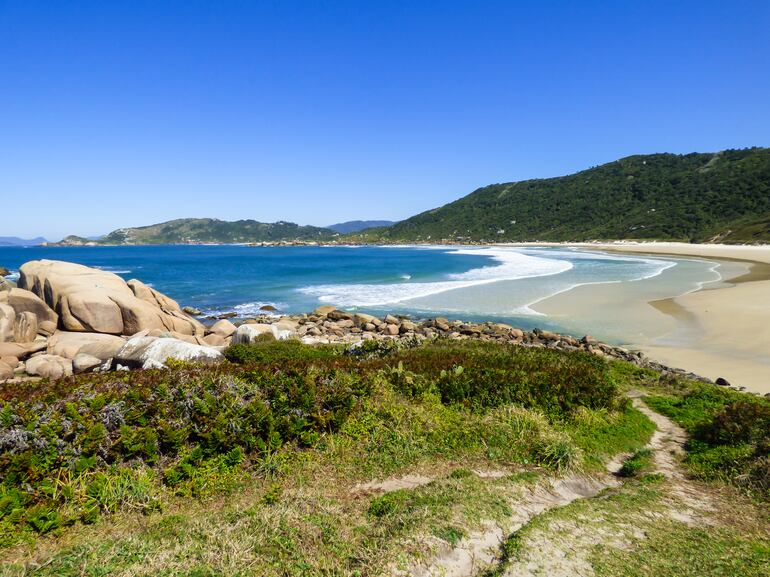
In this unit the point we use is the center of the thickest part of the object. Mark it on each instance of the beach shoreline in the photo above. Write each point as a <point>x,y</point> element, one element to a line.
<point>722,329</point>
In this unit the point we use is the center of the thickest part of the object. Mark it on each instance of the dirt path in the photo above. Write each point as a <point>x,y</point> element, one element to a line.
<point>559,557</point>
<point>480,550</point>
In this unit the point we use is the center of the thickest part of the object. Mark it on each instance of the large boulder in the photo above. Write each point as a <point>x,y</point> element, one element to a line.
<point>7,322</point>
<point>252,332</point>
<point>6,371</point>
<point>69,344</point>
<point>50,366</point>
<point>85,363</point>
<point>223,328</point>
<point>92,300</point>
<point>151,352</point>
<point>25,330</point>
<point>26,301</point>
<point>21,351</point>
<point>215,340</point>
<point>324,310</point>
<point>46,328</point>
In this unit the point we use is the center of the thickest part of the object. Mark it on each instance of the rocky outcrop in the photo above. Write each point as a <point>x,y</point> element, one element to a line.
<point>26,301</point>
<point>7,322</point>
<point>279,331</point>
<point>6,371</point>
<point>67,317</point>
<point>69,344</point>
<point>223,328</point>
<point>96,301</point>
<point>25,329</point>
<point>21,351</point>
<point>49,366</point>
<point>85,363</point>
<point>153,352</point>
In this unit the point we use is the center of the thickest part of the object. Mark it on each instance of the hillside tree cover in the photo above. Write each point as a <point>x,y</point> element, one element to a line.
<point>697,197</point>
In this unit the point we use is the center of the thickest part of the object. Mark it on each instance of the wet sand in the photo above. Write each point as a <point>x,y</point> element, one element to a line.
<point>722,330</point>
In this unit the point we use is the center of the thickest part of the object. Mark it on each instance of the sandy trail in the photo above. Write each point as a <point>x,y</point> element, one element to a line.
<point>480,551</point>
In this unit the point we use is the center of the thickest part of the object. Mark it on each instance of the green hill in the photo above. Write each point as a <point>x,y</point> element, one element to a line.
<point>210,230</point>
<point>696,197</point>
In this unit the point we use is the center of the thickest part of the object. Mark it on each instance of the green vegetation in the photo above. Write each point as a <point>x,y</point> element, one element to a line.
<point>271,463</point>
<point>78,448</point>
<point>638,530</point>
<point>211,230</point>
<point>639,462</point>
<point>729,433</point>
<point>693,197</point>
<point>352,226</point>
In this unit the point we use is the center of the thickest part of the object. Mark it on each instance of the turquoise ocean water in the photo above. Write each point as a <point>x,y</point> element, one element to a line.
<point>473,283</point>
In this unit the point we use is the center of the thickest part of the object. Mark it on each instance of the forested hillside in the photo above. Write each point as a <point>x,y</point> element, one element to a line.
<point>696,197</point>
<point>211,230</point>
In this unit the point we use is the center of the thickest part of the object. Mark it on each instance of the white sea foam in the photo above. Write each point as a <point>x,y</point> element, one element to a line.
<point>114,270</point>
<point>511,264</point>
<point>14,276</point>
<point>255,308</point>
<point>659,265</point>
<point>249,309</point>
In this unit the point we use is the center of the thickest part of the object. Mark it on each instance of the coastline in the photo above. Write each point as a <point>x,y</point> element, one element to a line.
<point>720,330</point>
<point>717,330</point>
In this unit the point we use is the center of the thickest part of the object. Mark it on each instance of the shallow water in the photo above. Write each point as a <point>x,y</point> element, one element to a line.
<point>474,283</point>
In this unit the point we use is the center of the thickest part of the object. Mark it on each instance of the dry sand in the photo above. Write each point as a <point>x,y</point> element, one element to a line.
<point>721,331</point>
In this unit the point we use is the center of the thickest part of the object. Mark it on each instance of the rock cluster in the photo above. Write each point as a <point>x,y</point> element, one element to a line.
<point>66,318</point>
<point>329,325</point>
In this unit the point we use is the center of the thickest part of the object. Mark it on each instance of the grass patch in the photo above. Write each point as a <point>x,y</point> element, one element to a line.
<point>676,550</point>
<point>636,464</point>
<point>602,435</point>
<point>638,536</point>
<point>730,433</point>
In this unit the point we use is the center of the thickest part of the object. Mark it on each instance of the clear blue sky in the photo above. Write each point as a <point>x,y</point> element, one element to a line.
<point>127,113</point>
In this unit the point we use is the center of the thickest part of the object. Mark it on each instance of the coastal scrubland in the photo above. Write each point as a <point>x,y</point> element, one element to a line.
<point>379,459</point>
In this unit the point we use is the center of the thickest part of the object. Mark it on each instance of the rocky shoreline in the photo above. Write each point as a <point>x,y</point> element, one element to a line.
<point>64,318</point>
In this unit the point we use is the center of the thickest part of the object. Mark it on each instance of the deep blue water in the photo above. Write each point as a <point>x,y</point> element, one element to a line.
<point>222,277</point>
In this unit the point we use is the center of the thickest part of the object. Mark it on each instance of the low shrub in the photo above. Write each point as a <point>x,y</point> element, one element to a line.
<point>279,352</point>
<point>744,421</point>
<point>480,376</point>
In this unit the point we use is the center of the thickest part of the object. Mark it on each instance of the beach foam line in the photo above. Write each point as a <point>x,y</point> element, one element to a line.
<point>662,264</point>
<point>249,309</point>
<point>512,264</point>
<point>665,264</point>
<point>113,270</point>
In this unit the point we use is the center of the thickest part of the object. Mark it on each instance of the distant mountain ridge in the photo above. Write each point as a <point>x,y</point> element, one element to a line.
<point>16,241</point>
<point>699,197</point>
<point>206,230</point>
<point>359,225</point>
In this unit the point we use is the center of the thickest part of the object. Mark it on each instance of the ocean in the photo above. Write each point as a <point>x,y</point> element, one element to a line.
<point>472,283</point>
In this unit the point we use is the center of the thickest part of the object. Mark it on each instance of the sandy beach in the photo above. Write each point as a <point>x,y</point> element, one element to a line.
<point>722,330</point>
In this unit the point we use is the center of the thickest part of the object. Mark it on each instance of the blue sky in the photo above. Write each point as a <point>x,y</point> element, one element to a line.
<point>127,113</point>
